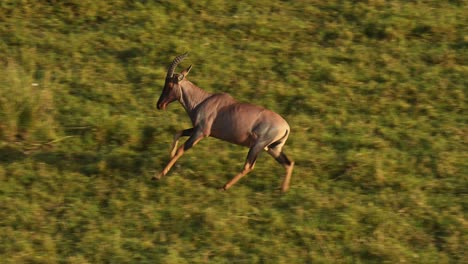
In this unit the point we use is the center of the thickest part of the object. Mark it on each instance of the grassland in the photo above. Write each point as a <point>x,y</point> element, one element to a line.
<point>375,93</point>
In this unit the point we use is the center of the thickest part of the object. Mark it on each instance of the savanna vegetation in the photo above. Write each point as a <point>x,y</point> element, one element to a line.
<point>375,93</point>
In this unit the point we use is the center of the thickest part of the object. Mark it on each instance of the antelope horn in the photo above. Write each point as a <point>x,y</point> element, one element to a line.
<point>177,60</point>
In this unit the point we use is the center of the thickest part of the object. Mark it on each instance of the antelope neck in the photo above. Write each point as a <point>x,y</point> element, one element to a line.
<point>191,96</point>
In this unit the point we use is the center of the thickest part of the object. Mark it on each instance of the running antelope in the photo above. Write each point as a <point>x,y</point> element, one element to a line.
<point>219,115</point>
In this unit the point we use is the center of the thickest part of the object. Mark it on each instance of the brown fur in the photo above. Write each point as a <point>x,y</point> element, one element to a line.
<point>221,116</point>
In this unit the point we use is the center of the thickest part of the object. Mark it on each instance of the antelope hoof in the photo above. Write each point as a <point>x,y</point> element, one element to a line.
<point>157,177</point>
<point>281,189</point>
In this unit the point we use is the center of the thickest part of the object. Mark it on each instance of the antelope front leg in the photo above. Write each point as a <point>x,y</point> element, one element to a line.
<point>194,139</point>
<point>175,142</point>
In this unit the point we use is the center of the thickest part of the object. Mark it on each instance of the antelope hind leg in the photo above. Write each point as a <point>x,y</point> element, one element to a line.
<point>248,166</point>
<point>288,164</point>
<point>287,178</point>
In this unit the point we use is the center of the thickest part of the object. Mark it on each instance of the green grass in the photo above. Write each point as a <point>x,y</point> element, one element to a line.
<point>374,92</point>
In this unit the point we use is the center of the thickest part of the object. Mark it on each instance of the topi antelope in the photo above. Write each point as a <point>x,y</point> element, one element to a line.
<point>220,116</point>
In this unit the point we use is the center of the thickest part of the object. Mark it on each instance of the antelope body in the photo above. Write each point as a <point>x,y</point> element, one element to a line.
<point>221,116</point>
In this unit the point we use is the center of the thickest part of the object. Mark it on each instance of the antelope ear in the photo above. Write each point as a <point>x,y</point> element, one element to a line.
<point>185,73</point>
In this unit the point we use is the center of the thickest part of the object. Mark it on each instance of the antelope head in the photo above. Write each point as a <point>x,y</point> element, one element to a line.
<point>172,90</point>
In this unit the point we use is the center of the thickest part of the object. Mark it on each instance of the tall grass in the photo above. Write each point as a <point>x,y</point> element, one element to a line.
<point>27,106</point>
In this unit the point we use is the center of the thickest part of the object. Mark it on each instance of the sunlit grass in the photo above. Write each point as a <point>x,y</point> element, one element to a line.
<point>374,93</point>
